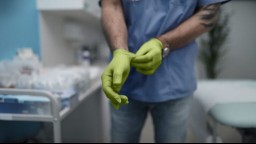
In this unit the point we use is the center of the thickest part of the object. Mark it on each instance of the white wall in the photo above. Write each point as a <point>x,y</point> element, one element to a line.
<point>240,61</point>
<point>55,49</point>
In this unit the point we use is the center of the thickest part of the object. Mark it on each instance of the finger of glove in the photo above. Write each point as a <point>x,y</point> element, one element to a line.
<point>107,78</point>
<point>149,71</point>
<point>112,95</point>
<point>146,72</point>
<point>124,100</point>
<point>146,66</point>
<point>118,78</point>
<point>117,89</point>
<point>150,56</point>
<point>155,59</point>
<point>143,50</point>
<point>124,78</point>
<point>142,59</point>
<point>116,106</point>
<point>125,75</point>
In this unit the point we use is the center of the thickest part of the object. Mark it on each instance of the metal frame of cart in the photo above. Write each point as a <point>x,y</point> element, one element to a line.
<point>56,116</point>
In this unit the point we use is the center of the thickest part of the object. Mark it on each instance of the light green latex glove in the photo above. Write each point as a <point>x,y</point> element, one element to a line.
<point>149,57</point>
<point>115,76</point>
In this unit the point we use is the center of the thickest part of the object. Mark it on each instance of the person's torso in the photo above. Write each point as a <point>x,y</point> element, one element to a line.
<point>175,78</point>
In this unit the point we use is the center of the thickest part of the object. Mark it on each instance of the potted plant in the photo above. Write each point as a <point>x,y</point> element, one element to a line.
<point>213,46</point>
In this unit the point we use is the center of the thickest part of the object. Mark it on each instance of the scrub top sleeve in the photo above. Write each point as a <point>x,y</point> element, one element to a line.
<point>209,2</point>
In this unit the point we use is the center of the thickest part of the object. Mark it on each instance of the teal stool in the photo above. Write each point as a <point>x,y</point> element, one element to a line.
<point>237,115</point>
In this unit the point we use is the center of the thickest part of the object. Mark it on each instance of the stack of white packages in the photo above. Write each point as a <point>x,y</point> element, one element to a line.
<point>58,79</point>
<point>64,82</point>
<point>31,76</point>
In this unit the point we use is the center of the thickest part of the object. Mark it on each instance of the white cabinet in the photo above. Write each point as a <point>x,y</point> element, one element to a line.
<point>70,6</point>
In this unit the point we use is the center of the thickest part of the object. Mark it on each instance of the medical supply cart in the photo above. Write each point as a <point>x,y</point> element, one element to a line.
<point>56,115</point>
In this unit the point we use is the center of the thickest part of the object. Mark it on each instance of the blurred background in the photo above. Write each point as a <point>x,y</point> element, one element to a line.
<point>53,52</point>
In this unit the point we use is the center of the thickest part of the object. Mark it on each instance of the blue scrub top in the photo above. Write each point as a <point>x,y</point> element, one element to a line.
<point>175,78</point>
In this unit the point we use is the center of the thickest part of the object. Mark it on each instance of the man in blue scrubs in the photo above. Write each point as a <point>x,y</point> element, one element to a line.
<point>156,38</point>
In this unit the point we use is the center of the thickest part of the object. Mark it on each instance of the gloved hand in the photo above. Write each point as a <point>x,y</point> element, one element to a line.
<point>149,57</point>
<point>115,76</point>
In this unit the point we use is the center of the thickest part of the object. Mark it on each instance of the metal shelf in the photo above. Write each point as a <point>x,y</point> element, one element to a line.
<point>57,114</point>
<point>82,97</point>
<point>22,117</point>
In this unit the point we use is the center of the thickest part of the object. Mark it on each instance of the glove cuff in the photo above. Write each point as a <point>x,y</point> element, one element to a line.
<point>122,51</point>
<point>156,40</point>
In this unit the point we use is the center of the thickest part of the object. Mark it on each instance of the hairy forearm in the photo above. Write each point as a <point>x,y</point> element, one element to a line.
<point>114,24</point>
<point>203,21</point>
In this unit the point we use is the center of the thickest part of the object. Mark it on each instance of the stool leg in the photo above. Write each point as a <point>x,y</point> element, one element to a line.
<point>215,135</point>
<point>57,131</point>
